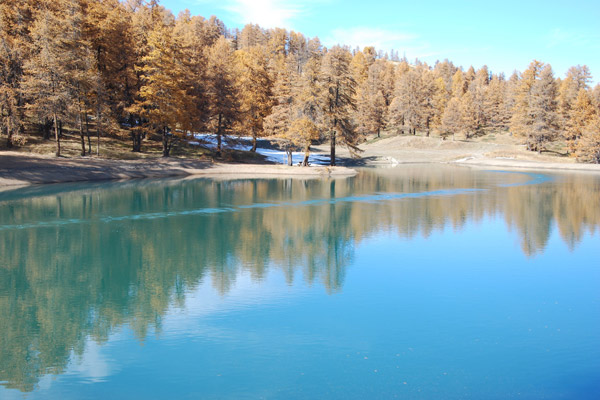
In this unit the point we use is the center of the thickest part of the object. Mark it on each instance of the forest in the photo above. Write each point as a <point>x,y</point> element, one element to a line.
<point>134,71</point>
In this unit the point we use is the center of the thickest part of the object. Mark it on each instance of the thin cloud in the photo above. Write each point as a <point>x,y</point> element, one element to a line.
<point>381,39</point>
<point>266,13</point>
<point>561,37</point>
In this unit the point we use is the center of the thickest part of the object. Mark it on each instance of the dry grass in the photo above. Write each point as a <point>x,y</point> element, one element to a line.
<point>119,147</point>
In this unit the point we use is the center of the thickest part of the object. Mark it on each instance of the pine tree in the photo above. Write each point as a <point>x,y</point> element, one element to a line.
<point>340,88</point>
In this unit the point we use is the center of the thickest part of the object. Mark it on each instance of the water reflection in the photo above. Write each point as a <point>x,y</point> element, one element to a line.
<point>78,261</point>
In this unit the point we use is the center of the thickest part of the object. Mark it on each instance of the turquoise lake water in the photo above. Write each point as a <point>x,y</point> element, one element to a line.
<point>415,282</point>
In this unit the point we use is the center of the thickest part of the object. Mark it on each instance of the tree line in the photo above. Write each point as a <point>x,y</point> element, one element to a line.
<point>104,67</point>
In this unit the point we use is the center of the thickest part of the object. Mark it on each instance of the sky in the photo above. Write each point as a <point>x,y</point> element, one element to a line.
<point>505,36</point>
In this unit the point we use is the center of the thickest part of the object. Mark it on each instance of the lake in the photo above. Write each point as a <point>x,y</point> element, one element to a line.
<point>420,282</point>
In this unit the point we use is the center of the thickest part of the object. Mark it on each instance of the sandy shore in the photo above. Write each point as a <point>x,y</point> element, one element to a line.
<point>21,170</point>
<point>501,154</point>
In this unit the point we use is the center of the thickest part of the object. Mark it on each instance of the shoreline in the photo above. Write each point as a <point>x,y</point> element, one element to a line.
<point>526,164</point>
<point>18,170</point>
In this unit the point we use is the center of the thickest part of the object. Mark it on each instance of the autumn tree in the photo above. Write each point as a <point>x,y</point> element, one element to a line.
<point>14,17</point>
<point>279,121</point>
<point>52,71</point>
<point>451,121</point>
<point>407,106</point>
<point>340,88</point>
<point>371,111</point>
<point>588,146</point>
<point>543,126</point>
<point>223,111</point>
<point>164,99</point>
<point>254,86</point>
<point>520,122</point>
<point>581,115</point>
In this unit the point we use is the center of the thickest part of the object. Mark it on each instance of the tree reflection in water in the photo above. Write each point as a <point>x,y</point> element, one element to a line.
<point>78,261</point>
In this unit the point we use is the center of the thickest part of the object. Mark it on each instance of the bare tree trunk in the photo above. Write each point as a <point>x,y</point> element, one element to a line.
<point>9,143</point>
<point>289,157</point>
<point>306,155</point>
<point>56,135</point>
<point>253,141</point>
<point>87,133</point>
<point>98,128</point>
<point>332,151</point>
<point>219,136</point>
<point>81,135</point>
<point>165,141</point>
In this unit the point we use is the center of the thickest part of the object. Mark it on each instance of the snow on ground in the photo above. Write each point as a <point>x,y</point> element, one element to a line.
<point>245,144</point>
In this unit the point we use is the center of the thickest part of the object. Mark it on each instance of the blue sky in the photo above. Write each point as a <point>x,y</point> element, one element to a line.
<point>504,35</point>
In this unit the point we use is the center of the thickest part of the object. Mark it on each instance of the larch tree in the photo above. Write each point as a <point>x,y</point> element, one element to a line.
<point>309,100</point>
<point>49,74</point>
<point>470,122</point>
<point>223,111</point>
<point>459,84</point>
<point>497,112</point>
<point>371,107</point>
<point>578,77</point>
<point>440,100</point>
<point>581,115</point>
<point>162,92</point>
<point>452,119</point>
<point>14,17</point>
<point>340,88</point>
<point>520,122</point>
<point>254,85</point>
<point>479,91</point>
<point>108,28</point>
<point>542,111</point>
<point>588,146</point>
<point>407,106</point>
<point>279,121</point>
